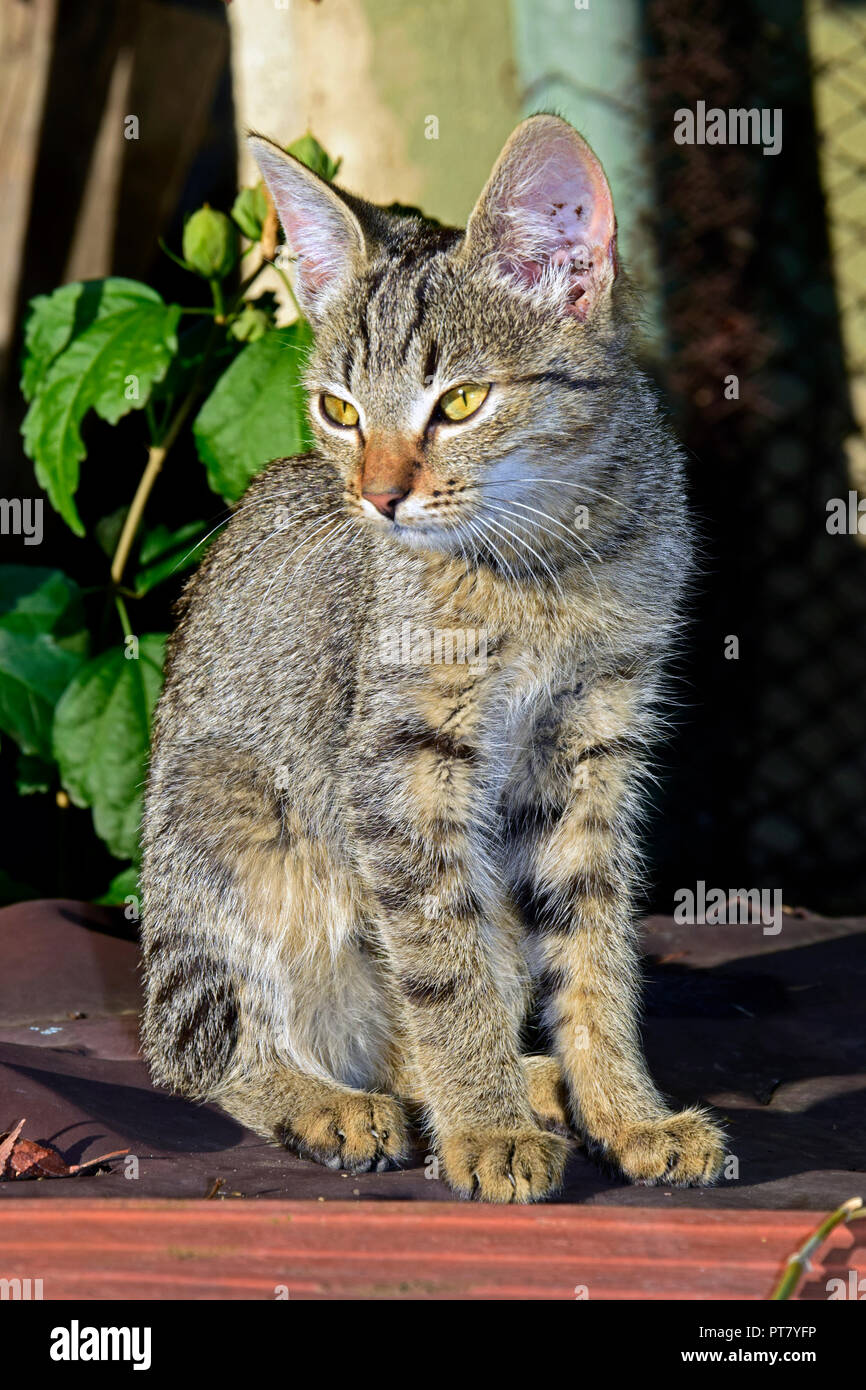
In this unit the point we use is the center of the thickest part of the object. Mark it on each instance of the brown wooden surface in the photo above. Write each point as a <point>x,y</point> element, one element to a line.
<point>767,1029</point>
<point>211,1250</point>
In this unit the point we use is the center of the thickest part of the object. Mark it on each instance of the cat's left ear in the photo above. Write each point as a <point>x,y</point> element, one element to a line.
<point>321,229</point>
<point>546,217</point>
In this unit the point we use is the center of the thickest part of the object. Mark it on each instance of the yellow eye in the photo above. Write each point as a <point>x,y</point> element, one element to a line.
<point>462,401</point>
<point>341,412</point>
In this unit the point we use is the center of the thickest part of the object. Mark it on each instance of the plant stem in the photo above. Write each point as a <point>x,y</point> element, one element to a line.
<point>157,452</point>
<point>245,285</point>
<point>270,229</point>
<point>218,301</point>
<point>155,459</point>
<point>155,456</point>
<point>798,1263</point>
<point>263,265</point>
<point>178,260</point>
<point>124,616</point>
<point>288,284</point>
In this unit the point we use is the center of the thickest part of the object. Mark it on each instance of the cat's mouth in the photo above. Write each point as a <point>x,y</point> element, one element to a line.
<point>414,516</point>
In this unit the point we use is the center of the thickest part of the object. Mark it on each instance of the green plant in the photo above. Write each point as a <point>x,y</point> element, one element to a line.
<point>797,1264</point>
<point>77,702</point>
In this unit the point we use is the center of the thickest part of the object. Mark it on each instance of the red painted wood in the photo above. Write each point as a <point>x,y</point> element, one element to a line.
<point>230,1249</point>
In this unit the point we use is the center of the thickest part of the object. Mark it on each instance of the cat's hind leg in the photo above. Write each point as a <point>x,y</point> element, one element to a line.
<point>319,1119</point>
<point>263,990</point>
<point>548,1093</point>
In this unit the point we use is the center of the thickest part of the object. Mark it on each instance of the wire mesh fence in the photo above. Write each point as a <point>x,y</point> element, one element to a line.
<point>762,257</point>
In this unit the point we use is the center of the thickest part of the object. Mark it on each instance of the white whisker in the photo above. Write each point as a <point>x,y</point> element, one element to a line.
<point>500,529</point>
<point>530,479</point>
<point>313,530</point>
<point>486,538</point>
<point>349,522</point>
<point>570,543</point>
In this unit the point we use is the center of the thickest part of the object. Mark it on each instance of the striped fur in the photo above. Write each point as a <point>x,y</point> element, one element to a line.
<point>363,874</point>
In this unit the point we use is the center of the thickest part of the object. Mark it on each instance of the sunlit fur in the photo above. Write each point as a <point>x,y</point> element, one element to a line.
<point>363,878</point>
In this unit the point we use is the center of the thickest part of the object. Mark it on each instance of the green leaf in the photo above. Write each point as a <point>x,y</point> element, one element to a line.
<point>108,528</point>
<point>250,208</point>
<point>256,412</point>
<point>310,152</point>
<point>120,339</point>
<point>164,553</point>
<point>35,601</point>
<point>49,327</point>
<point>101,739</point>
<point>191,348</point>
<point>43,643</point>
<point>34,672</point>
<point>256,318</point>
<point>33,775</point>
<point>250,324</point>
<point>121,887</point>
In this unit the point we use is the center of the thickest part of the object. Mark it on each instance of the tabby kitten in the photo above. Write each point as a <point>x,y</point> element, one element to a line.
<point>397,767</point>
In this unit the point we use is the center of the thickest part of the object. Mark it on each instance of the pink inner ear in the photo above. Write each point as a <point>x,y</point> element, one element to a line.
<point>315,234</point>
<point>322,234</point>
<point>576,201</point>
<point>558,213</point>
<point>316,245</point>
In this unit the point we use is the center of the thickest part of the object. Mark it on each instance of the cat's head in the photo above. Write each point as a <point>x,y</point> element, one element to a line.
<point>461,382</point>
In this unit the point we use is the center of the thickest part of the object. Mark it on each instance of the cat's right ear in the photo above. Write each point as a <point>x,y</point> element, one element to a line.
<point>321,230</point>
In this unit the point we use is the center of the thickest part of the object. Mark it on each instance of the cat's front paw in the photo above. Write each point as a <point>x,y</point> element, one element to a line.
<point>504,1165</point>
<point>352,1130</point>
<point>686,1149</point>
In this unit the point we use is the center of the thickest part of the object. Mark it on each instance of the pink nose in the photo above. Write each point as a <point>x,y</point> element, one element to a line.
<point>386,502</point>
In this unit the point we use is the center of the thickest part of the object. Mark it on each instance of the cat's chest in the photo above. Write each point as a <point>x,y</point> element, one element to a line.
<point>489,678</point>
<point>472,655</point>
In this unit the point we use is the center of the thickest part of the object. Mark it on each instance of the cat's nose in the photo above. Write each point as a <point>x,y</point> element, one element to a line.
<point>388,469</point>
<point>386,502</point>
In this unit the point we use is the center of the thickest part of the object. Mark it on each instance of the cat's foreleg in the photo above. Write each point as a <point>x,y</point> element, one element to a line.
<point>439,902</point>
<point>582,865</point>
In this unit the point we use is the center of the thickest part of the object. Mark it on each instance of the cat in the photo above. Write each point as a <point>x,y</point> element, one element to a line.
<point>397,774</point>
